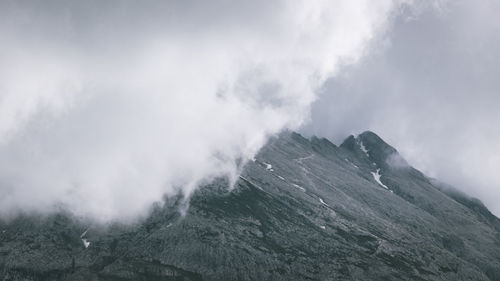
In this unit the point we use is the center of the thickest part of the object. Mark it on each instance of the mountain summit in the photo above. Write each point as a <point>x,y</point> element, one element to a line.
<point>304,209</point>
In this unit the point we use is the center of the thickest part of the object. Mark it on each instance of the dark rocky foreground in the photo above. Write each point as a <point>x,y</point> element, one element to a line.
<point>304,210</point>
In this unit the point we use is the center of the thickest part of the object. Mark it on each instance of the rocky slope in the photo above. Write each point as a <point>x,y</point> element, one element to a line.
<point>303,210</point>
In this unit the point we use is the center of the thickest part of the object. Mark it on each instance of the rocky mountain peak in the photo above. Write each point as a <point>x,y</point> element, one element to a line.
<point>302,209</point>
<point>370,145</point>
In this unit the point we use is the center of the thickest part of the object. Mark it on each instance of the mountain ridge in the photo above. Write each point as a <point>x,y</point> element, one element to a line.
<point>305,209</point>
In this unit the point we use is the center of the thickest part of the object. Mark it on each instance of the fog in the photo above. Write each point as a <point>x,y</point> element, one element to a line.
<point>432,92</point>
<point>107,106</point>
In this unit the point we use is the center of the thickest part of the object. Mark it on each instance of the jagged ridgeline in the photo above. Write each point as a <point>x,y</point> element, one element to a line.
<point>302,210</point>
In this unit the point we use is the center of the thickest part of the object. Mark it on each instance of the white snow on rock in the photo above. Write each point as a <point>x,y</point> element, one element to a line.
<point>299,187</point>
<point>322,202</point>
<point>247,180</point>
<point>377,176</point>
<point>363,148</point>
<point>269,167</point>
<point>281,178</point>
<point>322,227</point>
<point>86,243</point>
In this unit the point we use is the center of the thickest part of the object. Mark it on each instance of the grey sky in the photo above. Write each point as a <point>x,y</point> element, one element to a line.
<point>433,92</point>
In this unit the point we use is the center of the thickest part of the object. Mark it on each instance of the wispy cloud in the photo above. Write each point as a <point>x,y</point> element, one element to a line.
<point>432,93</point>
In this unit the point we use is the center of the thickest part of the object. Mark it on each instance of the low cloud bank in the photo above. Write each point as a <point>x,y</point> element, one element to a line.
<point>105,108</point>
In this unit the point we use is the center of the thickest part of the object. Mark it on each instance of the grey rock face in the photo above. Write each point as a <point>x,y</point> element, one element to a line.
<point>304,210</point>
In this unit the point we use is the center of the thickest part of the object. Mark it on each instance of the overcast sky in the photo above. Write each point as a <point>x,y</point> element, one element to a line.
<point>107,105</point>
<point>432,91</point>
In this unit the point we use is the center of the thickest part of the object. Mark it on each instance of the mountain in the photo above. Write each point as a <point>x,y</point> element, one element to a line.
<point>305,209</point>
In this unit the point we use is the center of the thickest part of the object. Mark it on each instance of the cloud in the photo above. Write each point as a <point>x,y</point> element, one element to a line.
<point>432,93</point>
<point>106,107</point>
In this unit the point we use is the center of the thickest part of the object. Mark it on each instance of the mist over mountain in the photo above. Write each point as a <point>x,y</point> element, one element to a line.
<point>303,209</point>
<point>106,108</point>
<point>157,140</point>
<point>431,91</point>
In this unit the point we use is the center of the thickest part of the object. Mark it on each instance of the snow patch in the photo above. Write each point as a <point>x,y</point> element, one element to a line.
<point>257,186</point>
<point>281,178</point>
<point>86,243</point>
<point>269,167</point>
<point>299,187</point>
<point>322,202</point>
<point>363,148</point>
<point>322,227</point>
<point>377,176</point>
